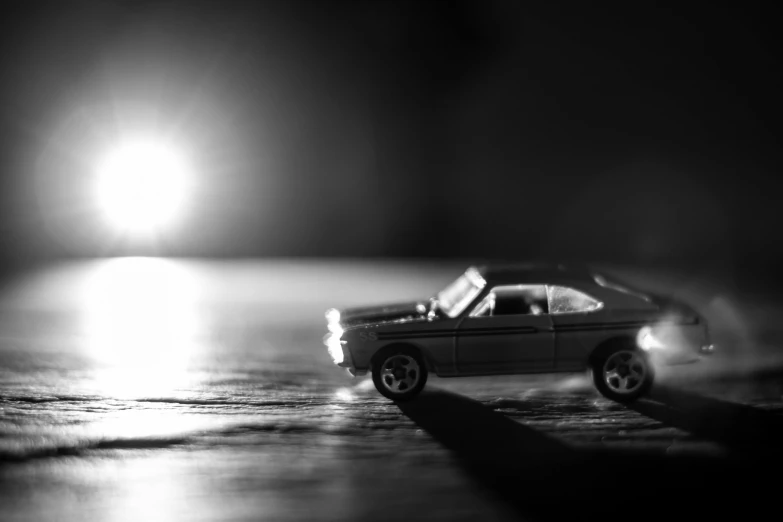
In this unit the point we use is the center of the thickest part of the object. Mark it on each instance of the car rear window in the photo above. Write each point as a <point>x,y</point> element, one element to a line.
<point>602,280</point>
<point>566,300</point>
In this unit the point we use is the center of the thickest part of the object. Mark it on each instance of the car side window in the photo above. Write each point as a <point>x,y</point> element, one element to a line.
<point>566,300</point>
<point>513,300</point>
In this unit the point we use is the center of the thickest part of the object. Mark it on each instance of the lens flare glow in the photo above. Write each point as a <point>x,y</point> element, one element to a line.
<point>141,325</point>
<point>141,186</point>
<point>335,347</point>
<point>647,341</point>
<point>333,316</point>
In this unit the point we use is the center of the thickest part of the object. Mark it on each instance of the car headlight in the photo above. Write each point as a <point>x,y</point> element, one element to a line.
<point>333,315</point>
<point>335,346</point>
<point>333,340</point>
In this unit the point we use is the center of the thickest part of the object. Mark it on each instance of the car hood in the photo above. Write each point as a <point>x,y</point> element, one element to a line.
<point>390,313</point>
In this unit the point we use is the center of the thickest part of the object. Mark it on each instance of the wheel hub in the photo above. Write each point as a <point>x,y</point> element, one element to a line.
<point>400,373</point>
<point>625,371</point>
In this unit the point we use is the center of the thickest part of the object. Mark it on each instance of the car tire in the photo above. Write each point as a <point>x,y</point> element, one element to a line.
<point>623,374</point>
<point>399,373</point>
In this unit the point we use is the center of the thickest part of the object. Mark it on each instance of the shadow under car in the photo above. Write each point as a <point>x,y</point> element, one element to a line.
<point>544,478</point>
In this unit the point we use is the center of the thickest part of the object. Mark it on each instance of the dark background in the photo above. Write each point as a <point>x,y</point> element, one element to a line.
<point>633,134</point>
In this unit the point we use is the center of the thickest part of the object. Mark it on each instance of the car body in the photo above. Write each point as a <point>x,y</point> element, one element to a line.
<point>520,319</point>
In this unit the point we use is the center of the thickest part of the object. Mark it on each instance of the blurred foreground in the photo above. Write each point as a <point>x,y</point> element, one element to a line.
<point>147,389</point>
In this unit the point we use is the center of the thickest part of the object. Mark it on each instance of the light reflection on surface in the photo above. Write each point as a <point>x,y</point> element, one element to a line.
<point>344,394</point>
<point>140,325</point>
<point>273,430</point>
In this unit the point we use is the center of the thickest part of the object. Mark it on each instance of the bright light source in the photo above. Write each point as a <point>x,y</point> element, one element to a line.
<point>335,346</point>
<point>141,186</point>
<point>333,315</point>
<point>647,341</point>
<point>140,324</point>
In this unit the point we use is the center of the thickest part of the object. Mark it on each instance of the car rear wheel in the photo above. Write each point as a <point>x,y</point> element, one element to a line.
<point>623,375</point>
<point>399,373</point>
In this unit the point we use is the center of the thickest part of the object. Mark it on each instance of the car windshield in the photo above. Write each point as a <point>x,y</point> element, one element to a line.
<point>459,294</point>
<point>614,285</point>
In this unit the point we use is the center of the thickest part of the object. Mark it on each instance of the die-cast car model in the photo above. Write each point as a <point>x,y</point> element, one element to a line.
<point>520,319</point>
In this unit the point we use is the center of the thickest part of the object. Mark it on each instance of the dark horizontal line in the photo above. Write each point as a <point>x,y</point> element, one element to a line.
<point>501,331</point>
<point>80,450</point>
<point>462,333</point>
<point>577,327</point>
<point>629,324</point>
<point>612,323</point>
<point>572,327</point>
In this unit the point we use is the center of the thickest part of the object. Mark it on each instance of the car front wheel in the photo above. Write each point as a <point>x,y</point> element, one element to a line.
<point>399,373</point>
<point>623,375</point>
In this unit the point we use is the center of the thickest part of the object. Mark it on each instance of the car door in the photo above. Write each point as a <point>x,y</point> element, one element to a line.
<point>509,331</point>
<point>580,324</point>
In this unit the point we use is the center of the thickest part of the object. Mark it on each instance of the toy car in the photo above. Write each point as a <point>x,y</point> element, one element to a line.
<point>516,320</point>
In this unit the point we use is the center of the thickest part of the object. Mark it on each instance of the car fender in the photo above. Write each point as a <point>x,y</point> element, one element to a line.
<point>604,348</point>
<point>407,344</point>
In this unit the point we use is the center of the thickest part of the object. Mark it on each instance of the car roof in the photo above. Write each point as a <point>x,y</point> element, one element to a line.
<point>534,273</point>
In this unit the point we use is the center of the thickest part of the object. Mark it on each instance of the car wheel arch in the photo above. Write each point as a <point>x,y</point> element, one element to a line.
<point>381,353</point>
<point>606,347</point>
